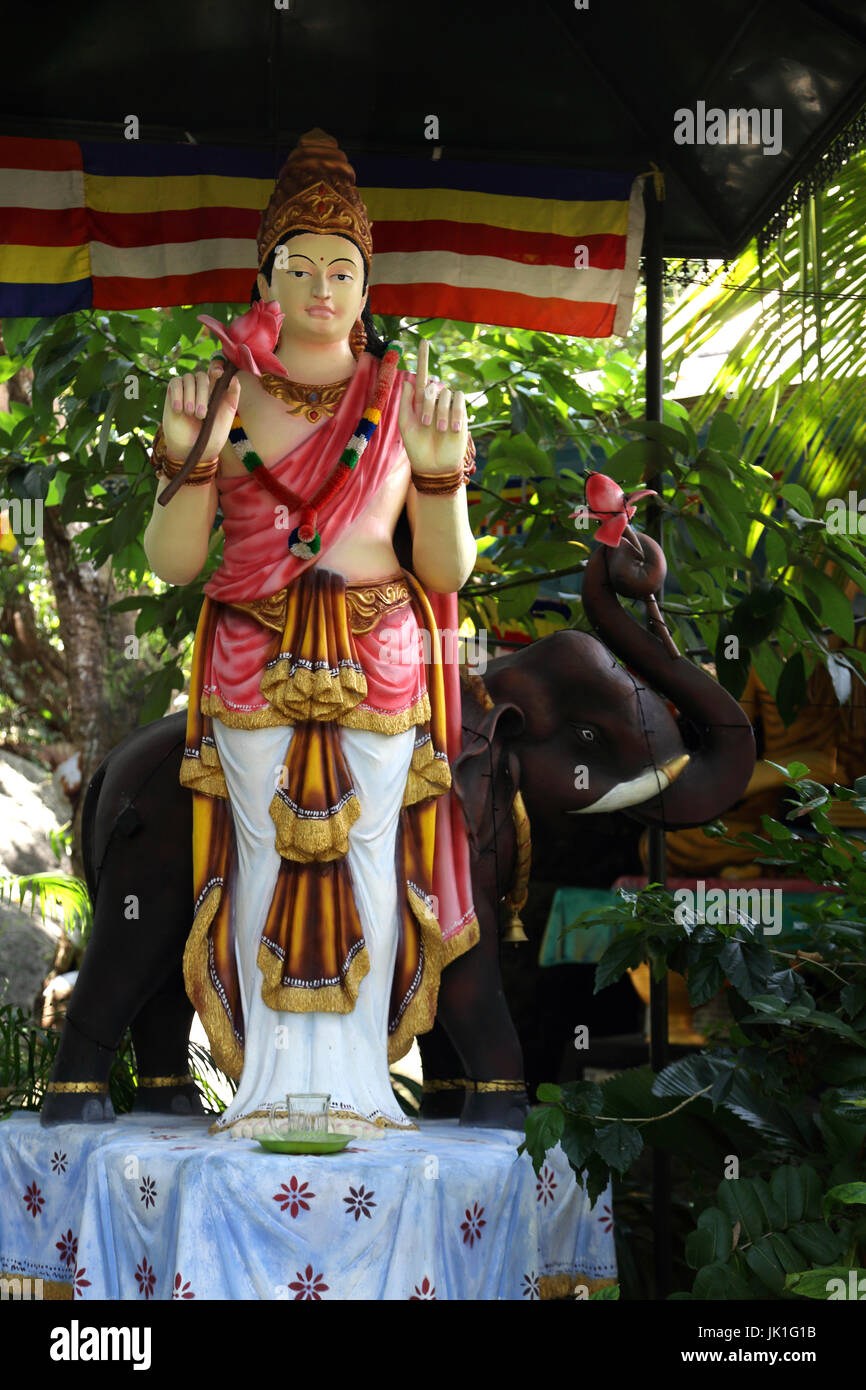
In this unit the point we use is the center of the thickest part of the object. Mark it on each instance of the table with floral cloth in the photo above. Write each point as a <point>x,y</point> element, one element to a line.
<point>153,1208</point>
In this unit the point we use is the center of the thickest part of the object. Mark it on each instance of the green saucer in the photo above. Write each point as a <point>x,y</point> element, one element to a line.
<point>331,1144</point>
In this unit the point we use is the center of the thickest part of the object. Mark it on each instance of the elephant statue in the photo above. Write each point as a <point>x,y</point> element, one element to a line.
<point>565,724</point>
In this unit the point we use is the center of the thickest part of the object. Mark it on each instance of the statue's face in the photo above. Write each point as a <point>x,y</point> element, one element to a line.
<point>317,281</point>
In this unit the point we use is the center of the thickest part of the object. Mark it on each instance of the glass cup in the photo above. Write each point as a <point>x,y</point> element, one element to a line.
<point>301,1117</point>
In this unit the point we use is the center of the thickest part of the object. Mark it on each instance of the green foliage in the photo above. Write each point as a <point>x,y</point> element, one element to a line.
<point>98,389</point>
<point>27,1054</point>
<point>69,895</point>
<point>781,1084</point>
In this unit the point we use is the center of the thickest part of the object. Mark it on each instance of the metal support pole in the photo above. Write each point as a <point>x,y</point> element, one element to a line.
<point>657,866</point>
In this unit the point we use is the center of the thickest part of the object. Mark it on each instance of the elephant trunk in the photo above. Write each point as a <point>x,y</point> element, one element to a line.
<point>720,766</point>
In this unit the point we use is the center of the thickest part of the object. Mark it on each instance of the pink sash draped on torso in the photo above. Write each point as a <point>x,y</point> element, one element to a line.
<point>256,563</point>
<point>256,560</point>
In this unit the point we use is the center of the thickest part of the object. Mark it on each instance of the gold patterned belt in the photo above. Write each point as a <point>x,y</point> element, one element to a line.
<point>365,604</point>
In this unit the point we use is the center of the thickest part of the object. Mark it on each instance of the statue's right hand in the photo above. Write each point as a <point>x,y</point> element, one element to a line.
<point>186,401</point>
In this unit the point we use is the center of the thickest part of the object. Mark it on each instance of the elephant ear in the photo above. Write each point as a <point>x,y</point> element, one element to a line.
<point>486,773</point>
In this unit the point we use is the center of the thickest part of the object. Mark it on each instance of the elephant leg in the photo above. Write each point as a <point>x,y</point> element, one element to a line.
<point>474,1012</point>
<point>444,1087</point>
<point>141,921</point>
<point>160,1036</point>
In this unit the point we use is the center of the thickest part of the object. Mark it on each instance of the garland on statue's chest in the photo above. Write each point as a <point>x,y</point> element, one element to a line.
<point>304,540</point>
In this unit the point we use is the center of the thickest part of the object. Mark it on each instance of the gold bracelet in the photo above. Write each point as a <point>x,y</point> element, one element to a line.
<point>163,463</point>
<point>447,484</point>
<point>439,484</point>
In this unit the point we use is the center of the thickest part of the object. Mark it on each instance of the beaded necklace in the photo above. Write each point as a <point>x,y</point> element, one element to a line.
<point>304,540</point>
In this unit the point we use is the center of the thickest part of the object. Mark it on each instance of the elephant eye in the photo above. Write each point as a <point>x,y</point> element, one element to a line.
<point>588,735</point>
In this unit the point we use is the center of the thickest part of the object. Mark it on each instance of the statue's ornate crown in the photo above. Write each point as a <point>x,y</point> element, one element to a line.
<point>315,192</point>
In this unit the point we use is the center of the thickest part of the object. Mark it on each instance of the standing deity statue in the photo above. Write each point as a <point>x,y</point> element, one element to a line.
<point>331,867</point>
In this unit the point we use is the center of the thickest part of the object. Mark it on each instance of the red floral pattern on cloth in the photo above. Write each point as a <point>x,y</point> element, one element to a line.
<point>79,1282</point>
<point>181,1289</point>
<point>546,1185</point>
<point>471,1227</point>
<point>296,1197</point>
<point>68,1247</point>
<point>425,1291</point>
<point>308,1285</point>
<point>606,1218</point>
<point>145,1278</point>
<point>33,1199</point>
<point>358,1202</point>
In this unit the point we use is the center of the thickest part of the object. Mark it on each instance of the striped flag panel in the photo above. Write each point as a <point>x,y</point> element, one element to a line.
<point>131,225</point>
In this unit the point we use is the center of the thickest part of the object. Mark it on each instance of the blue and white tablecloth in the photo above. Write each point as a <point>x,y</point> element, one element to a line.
<point>144,1209</point>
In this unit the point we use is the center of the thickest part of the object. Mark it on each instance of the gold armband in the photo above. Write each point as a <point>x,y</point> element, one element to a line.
<point>447,484</point>
<point>161,461</point>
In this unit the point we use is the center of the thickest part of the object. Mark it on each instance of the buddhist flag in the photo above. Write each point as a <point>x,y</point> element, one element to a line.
<point>132,225</point>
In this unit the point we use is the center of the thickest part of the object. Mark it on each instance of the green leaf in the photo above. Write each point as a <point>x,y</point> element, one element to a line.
<point>624,953</point>
<point>719,1281</point>
<point>549,1093</point>
<point>831,1282</point>
<point>619,1145</point>
<point>748,967</point>
<point>664,434</point>
<point>544,1129</point>
<point>788,1186</point>
<point>82,426</point>
<point>775,549</point>
<point>791,690</point>
<point>581,1097</point>
<point>798,497</point>
<point>705,978</point>
<point>518,412</point>
<point>756,616</point>
<point>846,1194</point>
<point>816,1241</point>
<point>830,604</point>
<point>105,429</point>
<point>578,1141</point>
<point>764,1262</point>
<point>629,465</point>
<point>40,328</point>
<point>712,1241</point>
<point>46,372</point>
<point>740,1202</point>
<point>724,433</point>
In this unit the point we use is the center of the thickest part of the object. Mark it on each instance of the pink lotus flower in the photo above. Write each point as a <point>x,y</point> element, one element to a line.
<point>607,503</point>
<point>249,342</point>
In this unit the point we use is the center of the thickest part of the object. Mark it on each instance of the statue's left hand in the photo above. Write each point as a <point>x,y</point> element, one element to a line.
<point>432,422</point>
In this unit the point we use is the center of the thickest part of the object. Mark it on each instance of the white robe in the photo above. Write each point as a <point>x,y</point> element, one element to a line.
<point>344,1055</point>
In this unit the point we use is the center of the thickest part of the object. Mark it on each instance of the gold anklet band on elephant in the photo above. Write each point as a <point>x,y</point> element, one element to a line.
<point>76,1087</point>
<point>463,1083</point>
<point>155,1082</point>
<point>517,1084</point>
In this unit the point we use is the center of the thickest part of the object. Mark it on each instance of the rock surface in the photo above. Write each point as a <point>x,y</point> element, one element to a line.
<point>31,806</point>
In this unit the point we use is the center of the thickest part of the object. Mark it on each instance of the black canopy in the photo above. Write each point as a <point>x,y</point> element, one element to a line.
<point>545,84</point>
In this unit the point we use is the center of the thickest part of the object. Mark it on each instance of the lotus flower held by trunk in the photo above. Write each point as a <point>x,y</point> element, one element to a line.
<point>606,502</point>
<point>248,346</point>
<point>249,342</point>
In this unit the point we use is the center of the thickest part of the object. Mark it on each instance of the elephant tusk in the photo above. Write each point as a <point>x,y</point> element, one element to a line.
<point>639,789</point>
